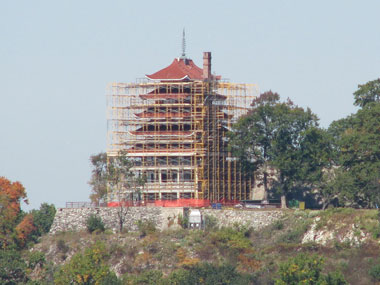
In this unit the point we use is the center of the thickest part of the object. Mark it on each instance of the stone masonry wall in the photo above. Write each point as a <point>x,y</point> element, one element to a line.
<point>256,219</point>
<point>74,219</point>
<point>68,219</point>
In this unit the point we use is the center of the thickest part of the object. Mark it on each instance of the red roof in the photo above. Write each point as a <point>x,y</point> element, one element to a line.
<point>180,69</point>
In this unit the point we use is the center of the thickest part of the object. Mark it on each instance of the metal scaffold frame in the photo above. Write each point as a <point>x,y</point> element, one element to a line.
<point>175,132</point>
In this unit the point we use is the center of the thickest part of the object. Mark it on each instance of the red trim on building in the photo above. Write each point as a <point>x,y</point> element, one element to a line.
<point>179,69</point>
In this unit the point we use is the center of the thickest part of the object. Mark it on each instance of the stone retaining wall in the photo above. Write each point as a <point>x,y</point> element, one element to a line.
<point>251,218</point>
<point>71,219</point>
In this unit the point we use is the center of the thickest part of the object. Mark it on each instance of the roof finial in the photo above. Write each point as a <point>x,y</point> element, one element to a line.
<point>183,44</point>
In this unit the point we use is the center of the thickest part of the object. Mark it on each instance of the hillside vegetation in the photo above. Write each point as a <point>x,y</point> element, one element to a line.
<point>345,249</point>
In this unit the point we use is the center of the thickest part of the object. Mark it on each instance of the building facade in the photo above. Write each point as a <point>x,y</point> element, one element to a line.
<point>173,127</point>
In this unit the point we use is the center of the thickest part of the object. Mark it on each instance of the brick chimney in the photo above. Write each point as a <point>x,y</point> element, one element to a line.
<point>207,65</point>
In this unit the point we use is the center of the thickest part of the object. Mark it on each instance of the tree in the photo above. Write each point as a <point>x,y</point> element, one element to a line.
<point>367,93</point>
<point>124,184</point>
<point>358,141</point>
<point>278,134</point>
<point>113,176</point>
<point>12,267</point>
<point>98,179</point>
<point>289,158</point>
<point>11,194</point>
<point>24,229</point>
<point>252,137</point>
<point>43,218</point>
<point>319,167</point>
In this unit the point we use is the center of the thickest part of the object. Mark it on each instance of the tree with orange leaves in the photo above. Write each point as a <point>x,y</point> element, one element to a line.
<point>24,229</point>
<point>11,195</point>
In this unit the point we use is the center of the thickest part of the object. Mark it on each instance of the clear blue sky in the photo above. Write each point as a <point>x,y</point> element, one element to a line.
<point>56,58</point>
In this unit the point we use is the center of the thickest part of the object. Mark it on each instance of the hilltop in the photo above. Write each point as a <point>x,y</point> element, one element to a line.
<point>346,240</point>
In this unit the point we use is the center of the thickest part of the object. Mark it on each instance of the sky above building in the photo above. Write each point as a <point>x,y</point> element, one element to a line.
<point>56,58</point>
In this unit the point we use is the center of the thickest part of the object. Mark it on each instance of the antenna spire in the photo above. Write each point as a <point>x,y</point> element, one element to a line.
<point>183,44</point>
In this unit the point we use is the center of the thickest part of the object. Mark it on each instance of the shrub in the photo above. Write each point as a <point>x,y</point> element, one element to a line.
<point>335,278</point>
<point>61,245</point>
<point>148,277</point>
<point>94,223</point>
<point>306,269</point>
<point>295,234</point>
<point>208,274</point>
<point>210,222</point>
<point>36,258</point>
<point>183,221</point>
<point>278,225</point>
<point>146,227</point>
<point>374,272</point>
<point>232,240</point>
<point>87,268</point>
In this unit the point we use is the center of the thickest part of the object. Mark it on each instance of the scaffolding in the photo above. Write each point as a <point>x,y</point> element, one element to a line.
<point>175,134</point>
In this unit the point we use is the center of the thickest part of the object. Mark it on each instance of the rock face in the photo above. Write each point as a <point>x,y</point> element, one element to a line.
<point>68,219</point>
<point>344,233</point>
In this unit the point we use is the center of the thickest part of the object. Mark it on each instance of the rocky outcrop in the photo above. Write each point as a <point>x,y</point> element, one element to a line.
<point>343,233</point>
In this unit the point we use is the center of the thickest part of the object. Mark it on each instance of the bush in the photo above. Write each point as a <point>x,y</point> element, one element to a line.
<point>208,274</point>
<point>183,221</point>
<point>148,277</point>
<point>232,240</point>
<point>210,222</point>
<point>295,234</point>
<point>87,268</point>
<point>306,269</point>
<point>62,246</point>
<point>146,227</point>
<point>278,225</point>
<point>374,272</point>
<point>36,258</point>
<point>94,223</point>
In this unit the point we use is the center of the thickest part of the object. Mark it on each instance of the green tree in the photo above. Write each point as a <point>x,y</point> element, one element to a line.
<point>319,167</point>
<point>282,136</point>
<point>43,218</point>
<point>367,93</point>
<point>289,158</point>
<point>252,137</point>
<point>12,267</point>
<point>87,268</point>
<point>358,142</point>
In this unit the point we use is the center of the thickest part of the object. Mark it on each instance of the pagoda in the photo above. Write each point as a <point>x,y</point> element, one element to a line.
<point>173,127</point>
